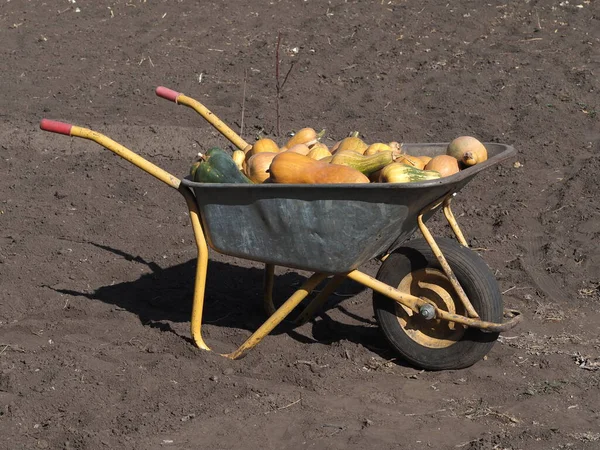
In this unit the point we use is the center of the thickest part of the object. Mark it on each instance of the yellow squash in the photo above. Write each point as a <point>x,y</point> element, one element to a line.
<point>293,168</point>
<point>362,163</point>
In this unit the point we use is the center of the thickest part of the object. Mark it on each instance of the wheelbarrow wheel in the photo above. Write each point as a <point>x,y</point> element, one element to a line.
<point>437,344</point>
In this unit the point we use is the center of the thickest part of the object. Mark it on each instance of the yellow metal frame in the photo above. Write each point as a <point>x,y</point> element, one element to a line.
<point>219,125</point>
<point>277,315</point>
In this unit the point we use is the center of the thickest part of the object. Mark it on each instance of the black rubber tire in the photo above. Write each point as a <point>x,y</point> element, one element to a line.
<point>476,279</point>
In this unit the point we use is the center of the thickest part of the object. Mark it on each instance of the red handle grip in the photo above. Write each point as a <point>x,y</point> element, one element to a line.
<point>167,93</point>
<point>56,127</point>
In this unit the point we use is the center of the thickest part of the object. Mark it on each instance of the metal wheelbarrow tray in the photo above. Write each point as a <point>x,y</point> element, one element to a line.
<point>324,228</point>
<point>435,318</point>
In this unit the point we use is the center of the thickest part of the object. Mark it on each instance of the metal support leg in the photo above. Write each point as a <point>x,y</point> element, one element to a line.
<point>414,303</point>
<point>317,303</point>
<point>446,268</point>
<point>453,223</point>
<point>201,268</point>
<point>278,316</point>
<point>268,305</point>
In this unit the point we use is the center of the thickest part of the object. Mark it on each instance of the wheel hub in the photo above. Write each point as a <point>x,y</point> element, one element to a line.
<point>433,286</point>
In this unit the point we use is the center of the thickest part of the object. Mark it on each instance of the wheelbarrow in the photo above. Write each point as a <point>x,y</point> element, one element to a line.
<point>436,300</point>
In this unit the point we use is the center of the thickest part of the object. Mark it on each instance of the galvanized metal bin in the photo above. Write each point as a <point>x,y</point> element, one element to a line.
<point>324,228</point>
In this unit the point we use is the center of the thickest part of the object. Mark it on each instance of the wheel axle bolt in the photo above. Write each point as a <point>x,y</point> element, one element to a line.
<point>427,311</point>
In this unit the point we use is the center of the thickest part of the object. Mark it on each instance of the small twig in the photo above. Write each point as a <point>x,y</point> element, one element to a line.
<point>219,319</point>
<point>538,19</point>
<point>562,207</point>
<point>338,428</point>
<point>14,348</point>
<point>514,287</point>
<point>288,73</point>
<point>335,432</point>
<point>312,364</point>
<point>277,86</point>
<point>243,102</point>
<point>507,338</point>
<point>285,407</point>
<point>291,404</point>
<point>425,413</point>
<point>337,294</point>
<point>505,416</point>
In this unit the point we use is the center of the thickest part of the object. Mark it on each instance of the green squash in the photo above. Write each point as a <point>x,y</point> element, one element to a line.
<point>216,166</point>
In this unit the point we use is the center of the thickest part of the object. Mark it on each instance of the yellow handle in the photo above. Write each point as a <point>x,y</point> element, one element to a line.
<point>123,152</point>
<point>221,127</point>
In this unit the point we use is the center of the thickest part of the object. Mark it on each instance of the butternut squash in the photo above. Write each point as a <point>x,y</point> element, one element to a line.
<point>376,148</point>
<point>411,161</point>
<point>335,146</point>
<point>319,151</point>
<point>239,157</point>
<point>401,173</point>
<point>446,165</point>
<point>262,145</point>
<point>302,149</point>
<point>257,167</point>
<point>352,142</point>
<point>375,176</point>
<point>467,150</point>
<point>306,136</point>
<point>362,163</point>
<point>320,145</point>
<point>425,159</point>
<point>293,168</point>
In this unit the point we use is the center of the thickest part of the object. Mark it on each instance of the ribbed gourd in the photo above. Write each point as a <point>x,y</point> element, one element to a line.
<point>401,173</point>
<point>362,163</point>
<point>216,166</point>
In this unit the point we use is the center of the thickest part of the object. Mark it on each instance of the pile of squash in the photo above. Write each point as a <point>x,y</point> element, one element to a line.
<point>306,160</point>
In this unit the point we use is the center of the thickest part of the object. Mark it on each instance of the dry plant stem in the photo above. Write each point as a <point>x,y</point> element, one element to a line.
<point>279,86</point>
<point>243,102</point>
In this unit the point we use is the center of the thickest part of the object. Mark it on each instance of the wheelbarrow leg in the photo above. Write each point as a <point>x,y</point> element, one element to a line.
<point>278,316</point>
<point>201,268</point>
<point>442,259</point>
<point>453,223</point>
<point>317,303</point>
<point>310,310</point>
<point>268,305</point>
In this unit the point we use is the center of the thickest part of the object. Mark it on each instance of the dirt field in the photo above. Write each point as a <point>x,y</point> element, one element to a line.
<point>97,258</point>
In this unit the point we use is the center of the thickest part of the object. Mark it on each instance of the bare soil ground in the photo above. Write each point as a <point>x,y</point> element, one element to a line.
<point>97,258</point>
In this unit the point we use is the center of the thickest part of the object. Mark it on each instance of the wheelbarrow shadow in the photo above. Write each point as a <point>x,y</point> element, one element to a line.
<point>233,299</point>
